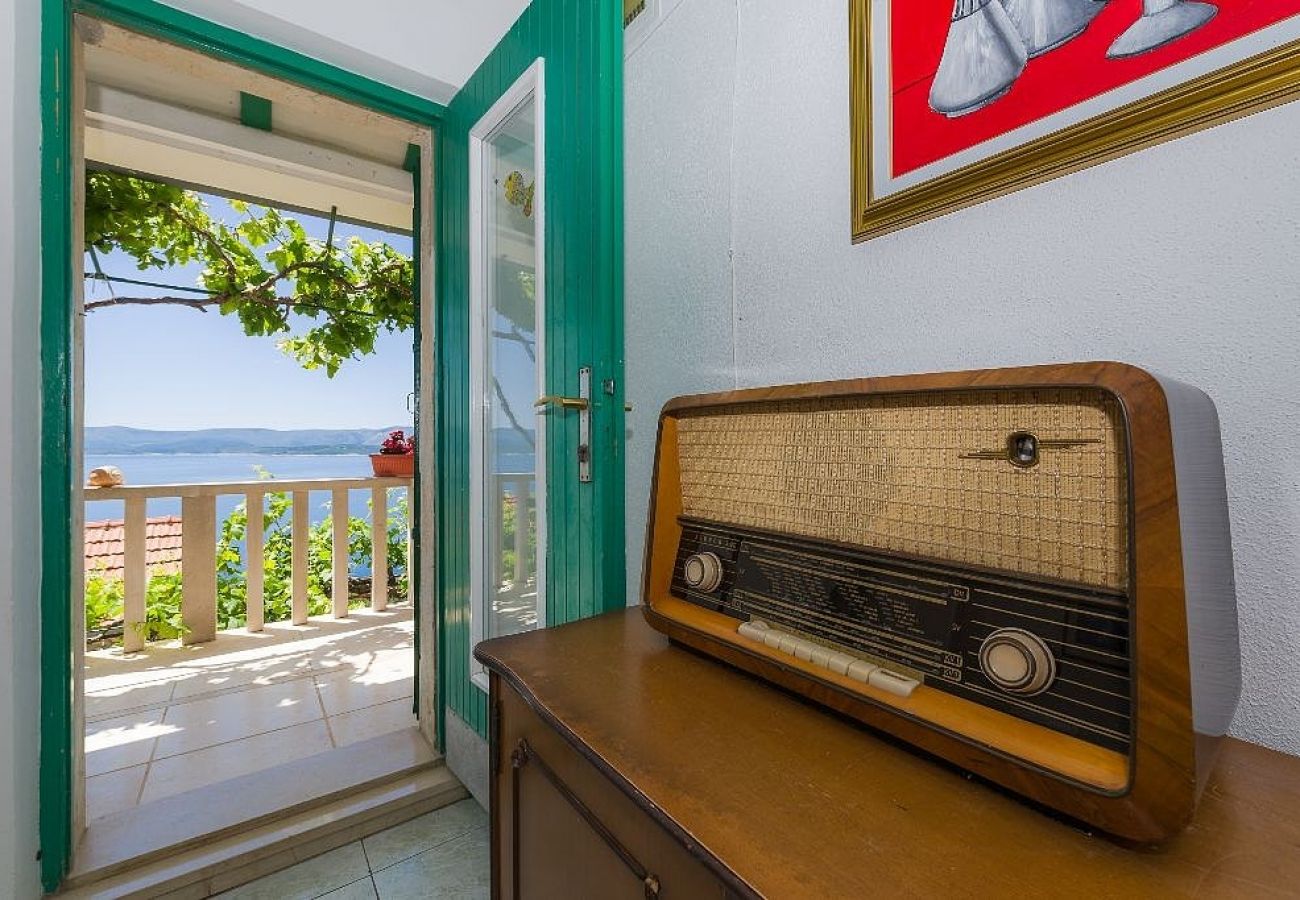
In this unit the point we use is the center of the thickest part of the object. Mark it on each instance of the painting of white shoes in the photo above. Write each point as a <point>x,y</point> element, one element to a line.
<point>957,101</point>
<point>990,42</point>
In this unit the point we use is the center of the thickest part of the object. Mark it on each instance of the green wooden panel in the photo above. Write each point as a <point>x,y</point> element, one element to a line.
<point>254,111</point>
<point>412,164</point>
<point>581,43</point>
<point>414,579</point>
<point>56,451</point>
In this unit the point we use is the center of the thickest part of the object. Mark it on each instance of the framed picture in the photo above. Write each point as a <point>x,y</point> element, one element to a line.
<point>957,101</point>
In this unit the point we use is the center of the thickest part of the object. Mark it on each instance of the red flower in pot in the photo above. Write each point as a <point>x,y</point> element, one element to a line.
<point>396,456</point>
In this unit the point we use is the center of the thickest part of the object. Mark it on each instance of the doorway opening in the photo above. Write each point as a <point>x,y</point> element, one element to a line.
<point>251,643</point>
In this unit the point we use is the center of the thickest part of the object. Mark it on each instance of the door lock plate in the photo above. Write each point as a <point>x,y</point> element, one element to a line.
<point>584,425</point>
<point>581,403</point>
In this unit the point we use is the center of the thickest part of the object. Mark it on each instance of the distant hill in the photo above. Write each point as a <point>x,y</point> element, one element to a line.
<point>116,439</point>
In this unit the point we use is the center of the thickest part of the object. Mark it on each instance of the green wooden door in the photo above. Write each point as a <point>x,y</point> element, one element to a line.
<point>579,277</point>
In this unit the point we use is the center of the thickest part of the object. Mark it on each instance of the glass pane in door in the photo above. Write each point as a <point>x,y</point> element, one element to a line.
<point>512,488</point>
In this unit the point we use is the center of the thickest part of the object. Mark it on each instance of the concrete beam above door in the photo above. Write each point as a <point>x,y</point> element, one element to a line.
<point>138,134</point>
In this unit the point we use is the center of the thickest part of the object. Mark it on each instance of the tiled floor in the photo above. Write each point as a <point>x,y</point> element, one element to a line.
<point>173,719</point>
<point>443,854</point>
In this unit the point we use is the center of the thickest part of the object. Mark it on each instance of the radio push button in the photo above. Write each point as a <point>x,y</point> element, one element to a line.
<point>1017,661</point>
<point>839,663</point>
<point>892,682</point>
<point>824,657</point>
<point>702,572</point>
<point>861,670</point>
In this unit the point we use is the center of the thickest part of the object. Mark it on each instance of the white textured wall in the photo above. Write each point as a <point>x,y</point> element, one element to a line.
<point>1182,258</point>
<point>19,426</point>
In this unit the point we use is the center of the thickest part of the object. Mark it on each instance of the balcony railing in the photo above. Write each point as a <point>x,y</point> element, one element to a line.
<point>516,488</point>
<point>199,548</point>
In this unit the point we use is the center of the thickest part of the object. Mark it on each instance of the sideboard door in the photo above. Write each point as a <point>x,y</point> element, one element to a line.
<point>562,829</point>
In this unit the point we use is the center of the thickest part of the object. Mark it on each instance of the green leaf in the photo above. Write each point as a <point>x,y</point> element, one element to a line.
<point>263,267</point>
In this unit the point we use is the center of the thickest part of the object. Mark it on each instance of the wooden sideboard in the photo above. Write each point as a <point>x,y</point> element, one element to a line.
<point>625,766</point>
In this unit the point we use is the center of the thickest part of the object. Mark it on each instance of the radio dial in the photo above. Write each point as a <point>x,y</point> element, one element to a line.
<point>1017,661</point>
<point>703,572</point>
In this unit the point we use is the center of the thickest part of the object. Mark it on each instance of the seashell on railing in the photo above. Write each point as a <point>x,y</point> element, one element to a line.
<point>105,476</point>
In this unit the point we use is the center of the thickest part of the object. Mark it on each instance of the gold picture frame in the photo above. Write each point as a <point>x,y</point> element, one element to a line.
<point>1267,79</point>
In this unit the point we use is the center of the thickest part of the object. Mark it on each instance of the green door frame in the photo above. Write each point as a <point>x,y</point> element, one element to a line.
<point>57,248</point>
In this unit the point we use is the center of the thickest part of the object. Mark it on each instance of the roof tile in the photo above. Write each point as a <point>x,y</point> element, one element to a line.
<point>105,546</point>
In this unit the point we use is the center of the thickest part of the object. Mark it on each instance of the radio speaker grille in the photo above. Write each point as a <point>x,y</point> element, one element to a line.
<point>893,473</point>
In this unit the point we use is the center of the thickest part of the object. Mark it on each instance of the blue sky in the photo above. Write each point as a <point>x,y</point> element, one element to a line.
<point>174,368</point>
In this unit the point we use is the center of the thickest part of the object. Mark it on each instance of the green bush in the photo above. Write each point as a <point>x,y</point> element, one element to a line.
<point>104,598</point>
<point>162,608</point>
<point>510,515</point>
<point>104,595</point>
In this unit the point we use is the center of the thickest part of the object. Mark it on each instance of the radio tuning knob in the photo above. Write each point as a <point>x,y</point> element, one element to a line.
<point>703,572</point>
<point>1017,661</point>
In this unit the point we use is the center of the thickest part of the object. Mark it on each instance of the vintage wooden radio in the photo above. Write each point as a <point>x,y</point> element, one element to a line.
<point>1027,572</point>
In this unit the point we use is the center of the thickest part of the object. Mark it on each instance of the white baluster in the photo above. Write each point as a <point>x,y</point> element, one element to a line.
<point>199,568</point>
<point>339,515</point>
<point>410,543</point>
<point>135,576</point>
<point>379,543</point>
<point>299,575</point>
<point>254,561</point>
<point>521,531</point>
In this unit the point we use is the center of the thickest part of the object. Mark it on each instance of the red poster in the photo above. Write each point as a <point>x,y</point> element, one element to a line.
<point>961,76</point>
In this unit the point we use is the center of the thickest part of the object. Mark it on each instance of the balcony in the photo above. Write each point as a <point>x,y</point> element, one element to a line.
<point>199,547</point>
<point>206,721</point>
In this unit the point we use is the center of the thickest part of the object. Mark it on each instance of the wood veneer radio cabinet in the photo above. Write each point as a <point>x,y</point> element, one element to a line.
<point>1073,515</point>
<point>623,765</point>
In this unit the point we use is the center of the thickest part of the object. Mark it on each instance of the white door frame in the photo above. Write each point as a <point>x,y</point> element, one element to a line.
<point>530,85</point>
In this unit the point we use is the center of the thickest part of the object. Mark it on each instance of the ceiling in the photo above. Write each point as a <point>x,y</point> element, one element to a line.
<point>164,111</point>
<point>159,110</point>
<point>427,47</point>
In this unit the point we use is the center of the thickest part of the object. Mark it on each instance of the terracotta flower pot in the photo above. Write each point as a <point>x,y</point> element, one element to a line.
<point>393,465</point>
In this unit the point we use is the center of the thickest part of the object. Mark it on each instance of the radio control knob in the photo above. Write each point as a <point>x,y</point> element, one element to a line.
<point>703,572</point>
<point>1017,661</point>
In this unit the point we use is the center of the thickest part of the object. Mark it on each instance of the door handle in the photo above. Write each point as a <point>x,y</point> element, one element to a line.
<point>582,403</point>
<point>569,402</point>
<point>563,402</point>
